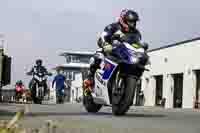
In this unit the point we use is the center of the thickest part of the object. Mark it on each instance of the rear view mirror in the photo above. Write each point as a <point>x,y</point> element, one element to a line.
<point>145,46</point>
<point>50,74</point>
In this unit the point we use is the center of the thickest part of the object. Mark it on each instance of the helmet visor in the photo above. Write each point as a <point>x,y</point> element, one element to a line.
<point>39,63</point>
<point>131,24</point>
<point>131,20</point>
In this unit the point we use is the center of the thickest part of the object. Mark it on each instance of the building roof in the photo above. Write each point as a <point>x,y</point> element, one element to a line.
<point>88,53</point>
<point>73,65</point>
<point>175,44</point>
<point>11,87</point>
<point>8,87</point>
<point>154,49</point>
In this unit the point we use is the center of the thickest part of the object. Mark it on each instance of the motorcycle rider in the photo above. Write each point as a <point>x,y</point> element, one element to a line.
<point>38,68</point>
<point>126,24</point>
<point>19,85</point>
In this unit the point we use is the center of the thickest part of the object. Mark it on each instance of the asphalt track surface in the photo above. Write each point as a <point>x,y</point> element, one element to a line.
<point>74,118</point>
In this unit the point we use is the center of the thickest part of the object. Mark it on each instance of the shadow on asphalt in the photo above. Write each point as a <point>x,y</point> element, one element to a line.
<point>39,114</point>
<point>143,115</point>
<point>7,104</point>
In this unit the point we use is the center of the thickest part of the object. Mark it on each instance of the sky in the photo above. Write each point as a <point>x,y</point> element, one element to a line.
<point>44,28</point>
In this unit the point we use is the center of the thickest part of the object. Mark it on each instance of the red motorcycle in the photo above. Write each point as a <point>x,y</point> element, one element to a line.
<point>19,90</point>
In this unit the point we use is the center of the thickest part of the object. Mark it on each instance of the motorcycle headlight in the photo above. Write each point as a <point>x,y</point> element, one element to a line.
<point>135,60</point>
<point>134,57</point>
<point>36,77</point>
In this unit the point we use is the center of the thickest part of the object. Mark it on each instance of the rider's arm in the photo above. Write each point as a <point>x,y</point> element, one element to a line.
<point>31,71</point>
<point>45,70</point>
<point>105,41</point>
<point>106,35</point>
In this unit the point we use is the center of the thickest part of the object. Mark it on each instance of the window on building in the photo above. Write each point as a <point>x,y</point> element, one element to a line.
<point>68,59</point>
<point>85,59</point>
<point>76,93</point>
<point>72,94</point>
<point>69,75</point>
<point>197,100</point>
<point>75,59</point>
<point>178,90</point>
<point>159,89</point>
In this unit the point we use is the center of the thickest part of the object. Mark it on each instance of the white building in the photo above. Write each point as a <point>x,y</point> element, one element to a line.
<point>174,75</point>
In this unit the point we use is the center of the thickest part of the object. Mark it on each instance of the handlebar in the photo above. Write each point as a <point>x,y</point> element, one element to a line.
<point>49,74</point>
<point>143,67</point>
<point>30,74</point>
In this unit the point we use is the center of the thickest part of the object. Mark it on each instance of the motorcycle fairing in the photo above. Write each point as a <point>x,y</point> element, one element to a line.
<point>102,77</point>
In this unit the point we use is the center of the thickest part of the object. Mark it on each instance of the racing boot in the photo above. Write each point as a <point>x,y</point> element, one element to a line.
<point>88,84</point>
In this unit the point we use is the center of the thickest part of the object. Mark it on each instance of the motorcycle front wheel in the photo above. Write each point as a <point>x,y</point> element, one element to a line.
<point>36,100</point>
<point>125,100</point>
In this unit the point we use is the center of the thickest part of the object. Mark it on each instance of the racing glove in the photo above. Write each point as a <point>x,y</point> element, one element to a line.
<point>107,48</point>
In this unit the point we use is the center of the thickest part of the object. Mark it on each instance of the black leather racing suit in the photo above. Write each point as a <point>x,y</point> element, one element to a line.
<point>106,37</point>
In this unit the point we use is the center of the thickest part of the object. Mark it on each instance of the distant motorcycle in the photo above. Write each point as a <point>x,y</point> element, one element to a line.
<point>37,90</point>
<point>19,89</point>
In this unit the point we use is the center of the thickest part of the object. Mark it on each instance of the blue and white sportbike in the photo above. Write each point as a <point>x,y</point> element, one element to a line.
<point>115,82</point>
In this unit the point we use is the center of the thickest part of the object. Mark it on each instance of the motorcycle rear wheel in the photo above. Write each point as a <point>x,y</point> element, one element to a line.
<point>89,105</point>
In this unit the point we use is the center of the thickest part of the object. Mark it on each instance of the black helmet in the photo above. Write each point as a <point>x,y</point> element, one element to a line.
<point>19,82</point>
<point>38,62</point>
<point>129,18</point>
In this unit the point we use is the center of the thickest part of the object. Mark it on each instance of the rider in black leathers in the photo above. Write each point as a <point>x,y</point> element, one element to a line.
<point>36,69</point>
<point>125,25</point>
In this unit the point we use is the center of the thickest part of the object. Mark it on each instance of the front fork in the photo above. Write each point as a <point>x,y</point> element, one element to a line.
<point>39,93</point>
<point>36,89</point>
<point>119,85</point>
